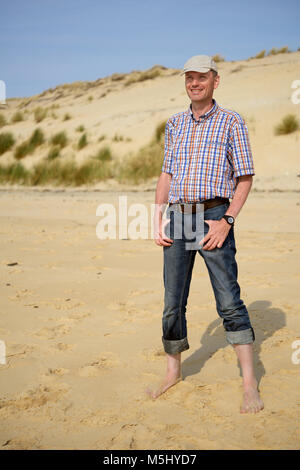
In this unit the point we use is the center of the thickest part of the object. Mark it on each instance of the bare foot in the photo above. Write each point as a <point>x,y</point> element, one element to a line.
<point>252,403</point>
<point>170,380</point>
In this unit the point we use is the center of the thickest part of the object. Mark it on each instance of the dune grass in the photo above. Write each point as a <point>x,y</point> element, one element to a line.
<point>117,138</point>
<point>60,139</point>
<point>260,55</point>
<point>55,172</point>
<point>281,50</point>
<point>14,173</point>
<point>104,154</point>
<point>7,140</point>
<point>37,138</point>
<point>3,121</point>
<point>135,168</point>
<point>218,58</point>
<point>17,117</point>
<point>28,146</point>
<point>54,152</point>
<point>288,125</point>
<point>40,114</point>
<point>82,142</point>
<point>160,131</point>
<point>145,164</point>
<point>142,76</point>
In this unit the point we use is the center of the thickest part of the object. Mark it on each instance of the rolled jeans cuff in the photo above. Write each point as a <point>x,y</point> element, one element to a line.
<point>175,346</point>
<point>240,337</point>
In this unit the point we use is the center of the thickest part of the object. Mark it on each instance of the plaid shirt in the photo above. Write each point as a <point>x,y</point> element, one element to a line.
<point>206,157</point>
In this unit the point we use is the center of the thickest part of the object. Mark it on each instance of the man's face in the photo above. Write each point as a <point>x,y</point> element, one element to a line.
<point>200,86</point>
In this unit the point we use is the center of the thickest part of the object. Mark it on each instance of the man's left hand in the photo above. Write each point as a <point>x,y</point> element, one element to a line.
<point>218,231</point>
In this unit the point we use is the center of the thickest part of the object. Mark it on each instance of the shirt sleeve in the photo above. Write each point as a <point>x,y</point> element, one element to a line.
<point>240,154</point>
<point>168,153</point>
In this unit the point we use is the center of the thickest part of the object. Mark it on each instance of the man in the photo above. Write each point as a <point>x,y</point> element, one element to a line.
<point>207,161</point>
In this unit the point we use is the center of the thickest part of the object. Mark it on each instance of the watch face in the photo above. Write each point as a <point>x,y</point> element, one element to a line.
<point>230,220</point>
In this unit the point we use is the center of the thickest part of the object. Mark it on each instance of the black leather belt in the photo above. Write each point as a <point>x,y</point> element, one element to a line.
<point>208,204</point>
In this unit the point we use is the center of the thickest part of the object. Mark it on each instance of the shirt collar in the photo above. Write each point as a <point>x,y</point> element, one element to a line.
<point>206,115</point>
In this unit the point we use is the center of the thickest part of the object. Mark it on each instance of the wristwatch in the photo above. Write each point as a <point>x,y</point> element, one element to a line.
<point>229,219</point>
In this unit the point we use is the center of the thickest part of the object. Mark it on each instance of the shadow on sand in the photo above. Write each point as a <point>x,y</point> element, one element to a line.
<point>265,321</point>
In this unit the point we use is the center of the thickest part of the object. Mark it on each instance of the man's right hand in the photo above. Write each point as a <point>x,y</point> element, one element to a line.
<point>160,237</point>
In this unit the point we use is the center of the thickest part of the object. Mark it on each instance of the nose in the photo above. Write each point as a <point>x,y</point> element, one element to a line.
<point>195,82</point>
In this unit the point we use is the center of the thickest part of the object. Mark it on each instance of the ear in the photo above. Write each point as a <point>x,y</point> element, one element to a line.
<point>216,81</point>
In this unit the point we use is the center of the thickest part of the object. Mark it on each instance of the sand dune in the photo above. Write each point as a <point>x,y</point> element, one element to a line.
<point>260,89</point>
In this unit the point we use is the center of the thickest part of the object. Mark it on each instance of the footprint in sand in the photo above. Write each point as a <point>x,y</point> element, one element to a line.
<point>16,351</point>
<point>72,318</point>
<point>62,304</point>
<point>64,347</point>
<point>33,398</point>
<point>100,418</point>
<point>54,332</point>
<point>20,444</point>
<point>135,293</point>
<point>153,354</point>
<point>60,371</point>
<point>103,364</point>
<point>22,294</point>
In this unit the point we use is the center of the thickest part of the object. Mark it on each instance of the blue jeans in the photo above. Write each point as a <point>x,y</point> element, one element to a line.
<point>223,271</point>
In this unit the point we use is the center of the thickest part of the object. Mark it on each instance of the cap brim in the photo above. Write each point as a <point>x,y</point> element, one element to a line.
<point>200,69</point>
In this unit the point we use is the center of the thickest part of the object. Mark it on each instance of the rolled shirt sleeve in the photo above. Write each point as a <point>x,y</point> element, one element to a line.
<point>168,149</point>
<point>240,154</point>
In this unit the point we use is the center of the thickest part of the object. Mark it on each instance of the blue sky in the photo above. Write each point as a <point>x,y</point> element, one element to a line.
<point>44,43</point>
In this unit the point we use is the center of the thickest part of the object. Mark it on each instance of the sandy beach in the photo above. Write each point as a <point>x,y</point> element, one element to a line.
<point>81,321</point>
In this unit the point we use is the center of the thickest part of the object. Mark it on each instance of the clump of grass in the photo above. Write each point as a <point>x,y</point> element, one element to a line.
<point>66,117</point>
<point>160,130</point>
<point>68,173</point>
<point>218,58</point>
<point>60,139</point>
<point>102,137</point>
<point>54,152</point>
<point>90,98</point>
<point>117,138</point>
<point>37,138</point>
<point>146,163</point>
<point>260,55</point>
<point>117,77</point>
<point>142,76</point>
<point>22,150</point>
<point>237,69</point>
<point>80,128</point>
<point>40,114</point>
<point>3,121</point>
<point>17,117</point>
<point>104,154</point>
<point>275,50</point>
<point>28,146</point>
<point>82,142</point>
<point>92,170</point>
<point>52,171</point>
<point>6,142</point>
<point>13,173</point>
<point>288,125</point>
